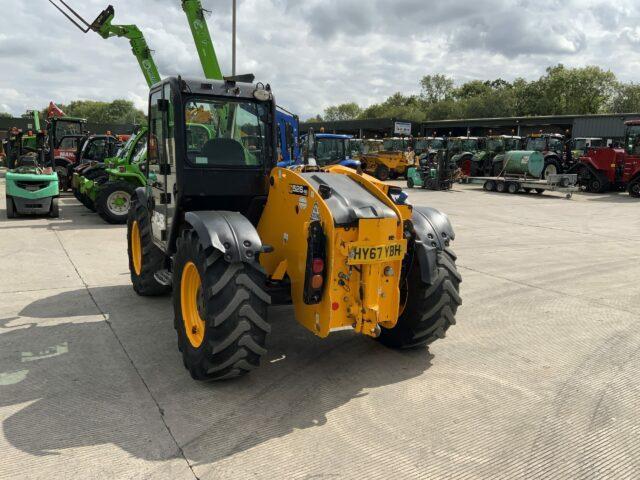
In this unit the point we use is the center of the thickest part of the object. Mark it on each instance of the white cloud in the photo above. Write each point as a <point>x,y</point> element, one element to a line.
<point>318,52</point>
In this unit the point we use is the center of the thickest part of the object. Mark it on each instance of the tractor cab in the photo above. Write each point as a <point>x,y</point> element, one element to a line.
<point>632,137</point>
<point>324,149</point>
<point>425,145</point>
<point>546,143</point>
<point>288,146</point>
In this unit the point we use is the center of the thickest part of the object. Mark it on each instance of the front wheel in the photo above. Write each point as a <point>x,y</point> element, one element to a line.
<point>429,309</point>
<point>382,172</point>
<point>634,189</point>
<point>11,209</point>
<point>113,201</point>
<point>145,259</point>
<point>220,312</point>
<point>54,212</point>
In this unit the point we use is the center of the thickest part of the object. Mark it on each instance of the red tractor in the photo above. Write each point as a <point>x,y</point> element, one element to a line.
<point>603,169</point>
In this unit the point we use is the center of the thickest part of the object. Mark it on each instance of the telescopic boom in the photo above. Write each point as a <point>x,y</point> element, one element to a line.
<point>102,26</point>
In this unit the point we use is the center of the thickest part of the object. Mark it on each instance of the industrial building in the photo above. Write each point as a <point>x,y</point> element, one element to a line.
<point>610,126</point>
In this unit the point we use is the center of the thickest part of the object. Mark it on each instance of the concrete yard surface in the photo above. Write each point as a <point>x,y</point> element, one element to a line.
<point>538,378</point>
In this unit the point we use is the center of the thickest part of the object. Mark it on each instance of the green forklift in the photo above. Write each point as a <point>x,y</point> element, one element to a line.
<point>434,172</point>
<point>32,183</point>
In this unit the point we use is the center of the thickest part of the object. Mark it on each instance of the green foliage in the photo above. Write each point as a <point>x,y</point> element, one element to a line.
<point>345,111</point>
<point>118,111</point>
<point>560,91</point>
<point>626,99</point>
<point>5,115</point>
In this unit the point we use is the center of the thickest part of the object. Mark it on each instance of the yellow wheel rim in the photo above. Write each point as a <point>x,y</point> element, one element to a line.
<point>136,248</point>
<point>191,304</point>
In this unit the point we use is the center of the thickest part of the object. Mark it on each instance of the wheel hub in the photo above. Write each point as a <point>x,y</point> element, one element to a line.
<point>118,202</point>
<point>192,304</point>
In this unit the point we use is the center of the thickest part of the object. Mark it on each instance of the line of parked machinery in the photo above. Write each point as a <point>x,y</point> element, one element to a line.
<point>436,162</point>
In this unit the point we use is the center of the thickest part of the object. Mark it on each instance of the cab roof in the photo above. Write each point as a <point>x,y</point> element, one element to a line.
<point>337,136</point>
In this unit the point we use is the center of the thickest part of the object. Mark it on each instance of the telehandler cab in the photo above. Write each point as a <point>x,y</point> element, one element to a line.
<point>229,233</point>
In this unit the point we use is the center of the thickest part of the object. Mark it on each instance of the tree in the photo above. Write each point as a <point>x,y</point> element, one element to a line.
<point>345,111</point>
<point>316,119</point>
<point>435,88</point>
<point>117,111</point>
<point>5,115</point>
<point>626,98</point>
<point>576,91</point>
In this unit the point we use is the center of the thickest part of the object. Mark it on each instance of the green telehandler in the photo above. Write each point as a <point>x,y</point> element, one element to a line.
<point>109,187</point>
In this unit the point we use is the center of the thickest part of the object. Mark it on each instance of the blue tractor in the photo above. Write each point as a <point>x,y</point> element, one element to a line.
<point>288,146</point>
<point>328,149</point>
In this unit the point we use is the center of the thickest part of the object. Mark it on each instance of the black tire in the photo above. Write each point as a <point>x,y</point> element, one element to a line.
<point>232,307</point>
<point>513,187</point>
<point>490,185</point>
<point>539,191</point>
<point>152,258</point>
<point>551,167</point>
<point>64,182</point>
<point>104,203</point>
<point>382,172</point>
<point>597,184</point>
<point>501,187</point>
<point>430,309</point>
<point>87,202</point>
<point>54,212</point>
<point>634,188</point>
<point>11,209</point>
<point>409,182</point>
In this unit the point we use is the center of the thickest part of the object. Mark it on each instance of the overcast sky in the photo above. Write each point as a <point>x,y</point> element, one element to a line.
<point>314,53</point>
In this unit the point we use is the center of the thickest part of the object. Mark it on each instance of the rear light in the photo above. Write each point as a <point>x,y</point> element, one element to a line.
<point>314,267</point>
<point>317,266</point>
<point>316,282</point>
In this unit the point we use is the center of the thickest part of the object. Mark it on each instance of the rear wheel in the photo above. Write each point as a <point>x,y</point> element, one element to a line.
<point>550,168</point>
<point>54,212</point>
<point>11,209</point>
<point>382,172</point>
<point>513,187</point>
<point>595,185</point>
<point>490,185</point>
<point>113,201</point>
<point>220,312</point>
<point>429,309</point>
<point>145,259</point>
<point>634,188</point>
<point>501,187</point>
<point>409,182</point>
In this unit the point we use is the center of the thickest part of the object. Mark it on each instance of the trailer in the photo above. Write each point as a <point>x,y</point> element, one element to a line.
<point>560,182</point>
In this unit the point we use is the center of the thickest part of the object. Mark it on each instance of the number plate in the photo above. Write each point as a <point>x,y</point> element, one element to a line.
<point>359,254</point>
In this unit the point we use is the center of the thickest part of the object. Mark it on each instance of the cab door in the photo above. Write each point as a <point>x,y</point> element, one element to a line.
<point>156,160</point>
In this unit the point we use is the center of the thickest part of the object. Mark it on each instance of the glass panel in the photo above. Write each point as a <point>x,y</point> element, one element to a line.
<point>223,133</point>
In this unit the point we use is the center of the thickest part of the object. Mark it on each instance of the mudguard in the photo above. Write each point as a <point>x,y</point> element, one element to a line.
<point>231,233</point>
<point>433,232</point>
